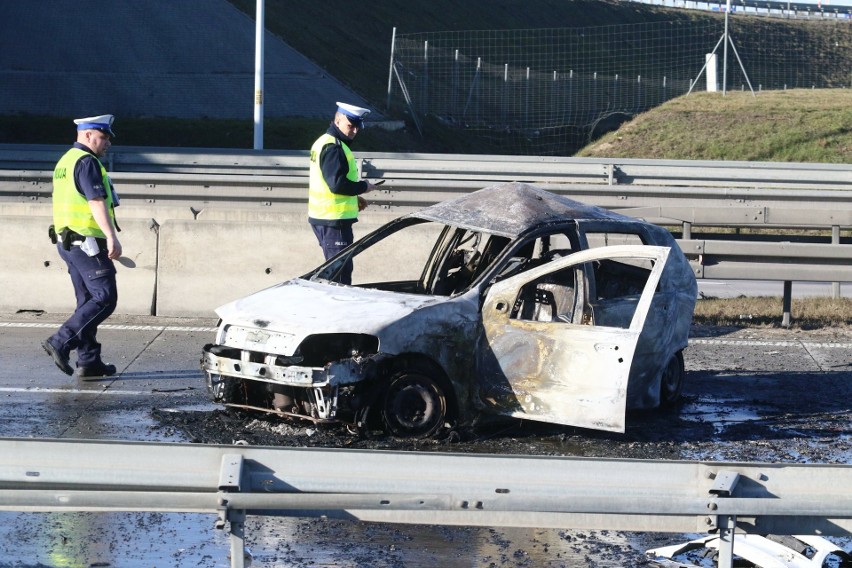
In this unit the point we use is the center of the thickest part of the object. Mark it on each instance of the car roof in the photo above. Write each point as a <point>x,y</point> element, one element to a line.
<point>511,209</point>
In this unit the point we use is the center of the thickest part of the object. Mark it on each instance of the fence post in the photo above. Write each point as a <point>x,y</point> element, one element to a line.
<point>505,102</point>
<point>456,87</point>
<point>639,106</point>
<point>425,107</point>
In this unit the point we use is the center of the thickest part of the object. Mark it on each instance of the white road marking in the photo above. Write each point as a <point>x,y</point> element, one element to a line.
<point>105,390</point>
<point>759,343</point>
<point>115,326</point>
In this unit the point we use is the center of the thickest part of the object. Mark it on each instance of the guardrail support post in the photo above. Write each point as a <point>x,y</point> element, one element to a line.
<point>787,302</point>
<point>835,240</point>
<point>239,553</point>
<point>723,486</point>
<point>727,528</point>
<point>230,481</point>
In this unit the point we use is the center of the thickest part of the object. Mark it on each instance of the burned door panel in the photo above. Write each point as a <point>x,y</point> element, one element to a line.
<point>581,383</point>
<point>536,365</point>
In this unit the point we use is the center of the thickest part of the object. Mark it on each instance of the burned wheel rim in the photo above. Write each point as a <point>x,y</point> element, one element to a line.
<point>414,406</point>
<point>671,383</point>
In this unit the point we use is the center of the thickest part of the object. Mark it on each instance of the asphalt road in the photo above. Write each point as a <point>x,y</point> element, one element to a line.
<point>751,396</point>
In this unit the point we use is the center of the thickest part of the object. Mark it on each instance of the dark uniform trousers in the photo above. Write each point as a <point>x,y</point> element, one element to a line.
<point>333,240</point>
<point>94,283</point>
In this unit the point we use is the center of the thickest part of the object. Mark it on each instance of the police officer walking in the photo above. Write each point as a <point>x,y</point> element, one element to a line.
<point>85,233</point>
<point>335,187</point>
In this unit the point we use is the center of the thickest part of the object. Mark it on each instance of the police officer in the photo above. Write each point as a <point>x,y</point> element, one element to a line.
<point>335,187</point>
<point>86,233</point>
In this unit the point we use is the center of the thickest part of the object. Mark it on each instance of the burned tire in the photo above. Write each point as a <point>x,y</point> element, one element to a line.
<point>223,390</point>
<point>671,382</point>
<point>413,406</point>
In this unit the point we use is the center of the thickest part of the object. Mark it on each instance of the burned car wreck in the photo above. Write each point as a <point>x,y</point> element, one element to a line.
<point>517,302</point>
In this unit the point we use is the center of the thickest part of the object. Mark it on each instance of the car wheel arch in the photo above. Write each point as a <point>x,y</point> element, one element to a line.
<point>414,362</point>
<point>392,368</point>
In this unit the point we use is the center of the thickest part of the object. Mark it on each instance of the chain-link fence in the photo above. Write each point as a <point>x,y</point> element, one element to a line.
<point>550,91</point>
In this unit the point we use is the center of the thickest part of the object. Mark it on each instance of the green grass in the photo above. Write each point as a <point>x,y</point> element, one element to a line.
<point>801,125</point>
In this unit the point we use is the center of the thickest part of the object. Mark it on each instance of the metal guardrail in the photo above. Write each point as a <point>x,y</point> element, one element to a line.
<point>457,168</point>
<point>728,260</point>
<point>777,8</point>
<point>675,204</point>
<point>425,488</point>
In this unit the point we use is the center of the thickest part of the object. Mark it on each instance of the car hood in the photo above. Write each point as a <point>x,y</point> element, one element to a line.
<point>302,307</point>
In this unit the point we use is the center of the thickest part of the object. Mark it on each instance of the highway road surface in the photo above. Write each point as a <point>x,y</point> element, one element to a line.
<point>771,395</point>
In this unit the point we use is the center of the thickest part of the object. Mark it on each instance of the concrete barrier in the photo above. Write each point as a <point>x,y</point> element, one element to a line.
<point>225,255</point>
<point>184,262</point>
<point>204,264</point>
<point>187,262</point>
<point>34,277</point>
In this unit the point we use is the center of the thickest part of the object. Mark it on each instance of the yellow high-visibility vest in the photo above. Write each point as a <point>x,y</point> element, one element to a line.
<point>322,203</point>
<point>70,208</point>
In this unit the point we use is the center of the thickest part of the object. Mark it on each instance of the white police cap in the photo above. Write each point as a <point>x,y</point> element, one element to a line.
<point>101,122</point>
<point>354,113</point>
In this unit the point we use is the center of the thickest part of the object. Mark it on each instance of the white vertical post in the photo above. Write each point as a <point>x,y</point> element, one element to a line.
<point>390,71</point>
<point>712,82</point>
<point>424,105</point>
<point>258,76</point>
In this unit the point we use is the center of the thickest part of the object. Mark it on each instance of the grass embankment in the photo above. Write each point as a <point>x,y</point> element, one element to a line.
<point>801,125</point>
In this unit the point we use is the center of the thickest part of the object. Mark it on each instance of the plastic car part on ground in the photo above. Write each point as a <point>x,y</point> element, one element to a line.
<point>755,551</point>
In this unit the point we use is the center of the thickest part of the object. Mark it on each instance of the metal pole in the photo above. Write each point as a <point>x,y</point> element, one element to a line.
<point>390,71</point>
<point>258,76</point>
<point>237,520</point>
<point>727,529</point>
<point>725,53</point>
<point>787,301</point>
<point>835,240</point>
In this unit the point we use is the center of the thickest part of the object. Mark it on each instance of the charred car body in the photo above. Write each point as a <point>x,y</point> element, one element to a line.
<point>524,304</point>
